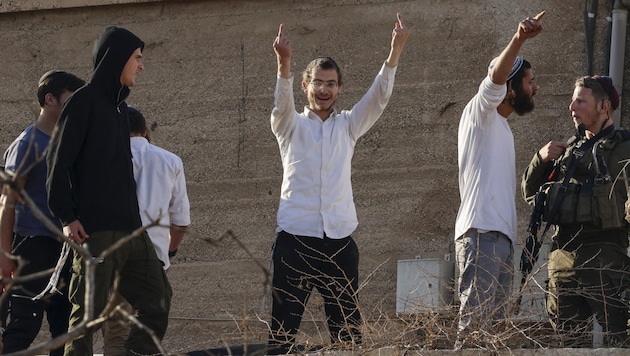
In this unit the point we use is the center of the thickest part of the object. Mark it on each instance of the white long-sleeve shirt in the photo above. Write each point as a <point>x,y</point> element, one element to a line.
<point>161,190</point>
<point>316,195</point>
<point>487,165</point>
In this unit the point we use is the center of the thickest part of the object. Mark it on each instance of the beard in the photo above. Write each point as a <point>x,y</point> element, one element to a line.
<point>522,103</point>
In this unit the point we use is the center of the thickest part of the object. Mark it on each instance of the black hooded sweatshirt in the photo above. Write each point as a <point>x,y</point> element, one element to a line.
<point>90,174</point>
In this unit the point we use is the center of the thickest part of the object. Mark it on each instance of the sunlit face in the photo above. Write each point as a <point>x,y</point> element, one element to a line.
<point>132,68</point>
<point>322,91</point>
<point>584,110</point>
<point>523,101</point>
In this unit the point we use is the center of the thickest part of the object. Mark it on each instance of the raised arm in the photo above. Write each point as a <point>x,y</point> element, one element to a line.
<point>282,47</point>
<point>400,33</point>
<point>528,28</point>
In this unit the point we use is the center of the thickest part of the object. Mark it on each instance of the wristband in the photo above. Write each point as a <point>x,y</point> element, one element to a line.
<point>172,253</point>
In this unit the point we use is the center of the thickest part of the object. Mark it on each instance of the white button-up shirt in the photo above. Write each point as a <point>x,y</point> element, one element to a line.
<point>161,190</point>
<point>487,165</point>
<point>316,195</point>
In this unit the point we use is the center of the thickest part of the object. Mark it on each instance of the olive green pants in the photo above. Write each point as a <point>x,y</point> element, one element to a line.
<point>116,330</point>
<point>142,282</point>
<point>589,280</point>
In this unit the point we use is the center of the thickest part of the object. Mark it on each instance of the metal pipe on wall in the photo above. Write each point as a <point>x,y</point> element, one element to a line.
<point>617,49</point>
<point>606,70</point>
<point>589,30</point>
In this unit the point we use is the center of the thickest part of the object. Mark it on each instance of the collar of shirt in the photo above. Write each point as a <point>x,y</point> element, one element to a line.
<point>312,115</point>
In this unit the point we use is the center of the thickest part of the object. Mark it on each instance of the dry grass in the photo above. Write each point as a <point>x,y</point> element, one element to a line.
<point>425,327</point>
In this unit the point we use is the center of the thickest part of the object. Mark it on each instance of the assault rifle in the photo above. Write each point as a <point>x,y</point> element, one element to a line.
<point>532,244</point>
<point>529,256</point>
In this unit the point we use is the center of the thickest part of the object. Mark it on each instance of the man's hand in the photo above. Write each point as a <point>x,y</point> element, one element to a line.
<point>552,150</point>
<point>7,266</point>
<point>282,47</point>
<point>530,27</point>
<point>75,232</point>
<point>400,33</point>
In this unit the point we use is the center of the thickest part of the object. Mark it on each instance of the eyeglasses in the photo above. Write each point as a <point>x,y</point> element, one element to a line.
<point>330,85</point>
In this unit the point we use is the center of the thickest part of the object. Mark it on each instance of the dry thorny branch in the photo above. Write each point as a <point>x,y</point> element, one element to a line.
<point>90,321</point>
<point>430,327</point>
<point>434,326</point>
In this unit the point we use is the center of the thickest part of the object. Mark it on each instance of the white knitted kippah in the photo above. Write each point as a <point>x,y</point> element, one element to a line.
<point>518,63</point>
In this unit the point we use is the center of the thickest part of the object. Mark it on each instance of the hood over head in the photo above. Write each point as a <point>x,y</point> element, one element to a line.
<point>112,50</point>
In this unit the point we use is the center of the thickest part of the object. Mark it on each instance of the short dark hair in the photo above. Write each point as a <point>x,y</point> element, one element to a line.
<point>56,82</point>
<point>601,87</point>
<point>137,123</point>
<point>322,63</point>
<point>517,79</point>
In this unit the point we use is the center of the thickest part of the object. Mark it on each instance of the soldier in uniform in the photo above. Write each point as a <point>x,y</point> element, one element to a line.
<point>583,180</point>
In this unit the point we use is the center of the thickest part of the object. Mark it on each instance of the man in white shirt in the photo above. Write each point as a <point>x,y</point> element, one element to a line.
<point>161,189</point>
<point>162,197</point>
<point>316,216</point>
<point>485,229</point>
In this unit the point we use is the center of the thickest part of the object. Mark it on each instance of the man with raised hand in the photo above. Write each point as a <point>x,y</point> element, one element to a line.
<point>316,216</point>
<point>485,230</point>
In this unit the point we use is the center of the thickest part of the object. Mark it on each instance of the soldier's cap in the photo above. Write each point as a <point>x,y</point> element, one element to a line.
<point>607,83</point>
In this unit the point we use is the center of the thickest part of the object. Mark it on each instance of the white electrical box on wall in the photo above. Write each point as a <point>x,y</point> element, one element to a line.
<point>424,285</point>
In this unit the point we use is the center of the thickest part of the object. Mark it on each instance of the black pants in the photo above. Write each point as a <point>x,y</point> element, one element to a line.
<point>39,253</point>
<point>301,263</point>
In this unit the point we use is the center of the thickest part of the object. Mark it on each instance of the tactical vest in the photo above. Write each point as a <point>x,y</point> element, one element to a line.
<point>596,193</point>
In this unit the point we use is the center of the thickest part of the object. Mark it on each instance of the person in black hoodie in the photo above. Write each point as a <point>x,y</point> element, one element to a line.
<point>92,191</point>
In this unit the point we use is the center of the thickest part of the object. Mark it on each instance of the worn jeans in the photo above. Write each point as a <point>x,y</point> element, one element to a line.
<point>142,282</point>
<point>486,272</point>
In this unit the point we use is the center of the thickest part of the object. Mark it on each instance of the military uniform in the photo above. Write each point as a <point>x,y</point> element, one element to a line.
<point>589,267</point>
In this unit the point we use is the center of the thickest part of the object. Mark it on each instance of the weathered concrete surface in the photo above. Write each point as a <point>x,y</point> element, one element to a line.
<point>44,5</point>
<point>208,92</point>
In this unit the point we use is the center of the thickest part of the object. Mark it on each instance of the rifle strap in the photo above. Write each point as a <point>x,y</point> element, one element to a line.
<point>576,154</point>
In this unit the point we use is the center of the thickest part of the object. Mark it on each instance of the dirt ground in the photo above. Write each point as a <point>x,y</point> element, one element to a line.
<point>207,91</point>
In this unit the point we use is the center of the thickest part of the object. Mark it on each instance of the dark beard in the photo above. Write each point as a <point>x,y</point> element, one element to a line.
<point>522,104</point>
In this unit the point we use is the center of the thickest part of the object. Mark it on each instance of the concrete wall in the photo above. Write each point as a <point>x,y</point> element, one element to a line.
<point>208,91</point>
<point>44,5</point>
